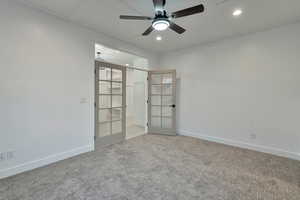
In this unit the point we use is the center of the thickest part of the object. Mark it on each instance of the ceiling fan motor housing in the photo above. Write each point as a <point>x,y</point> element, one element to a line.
<point>161,14</point>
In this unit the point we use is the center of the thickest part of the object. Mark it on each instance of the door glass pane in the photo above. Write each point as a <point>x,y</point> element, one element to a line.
<point>156,122</point>
<point>104,101</point>
<point>116,88</point>
<point>116,127</point>
<point>167,89</point>
<point>167,78</point>
<point>104,73</point>
<point>167,100</point>
<point>156,100</point>
<point>156,111</point>
<point>116,75</point>
<point>104,129</point>
<point>167,122</point>
<point>116,114</point>
<point>104,115</point>
<point>110,105</point>
<point>104,87</point>
<point>161,111</point>
<point>156,79</point>
<point>116,101</point>
<point>156,89</point>
<point>167,111</point>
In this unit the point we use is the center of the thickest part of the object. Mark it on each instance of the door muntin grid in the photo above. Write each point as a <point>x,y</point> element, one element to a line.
<point>162,100</point>
<point>110,101</point>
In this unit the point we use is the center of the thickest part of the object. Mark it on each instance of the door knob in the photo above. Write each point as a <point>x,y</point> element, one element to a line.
<point>173,106</point>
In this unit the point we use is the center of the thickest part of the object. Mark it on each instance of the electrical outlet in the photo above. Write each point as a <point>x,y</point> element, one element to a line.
<point>2,157</point>
<point>253,136</point>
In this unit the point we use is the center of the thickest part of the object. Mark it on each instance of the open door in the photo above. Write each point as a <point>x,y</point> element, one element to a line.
<point>162,102</point>
<point>110,102</point>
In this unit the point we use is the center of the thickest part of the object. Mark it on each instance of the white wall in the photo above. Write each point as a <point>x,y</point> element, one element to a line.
<point>136,94</point>
<point>231,89</point>
<point>46,86</point>
<point>140,97</point>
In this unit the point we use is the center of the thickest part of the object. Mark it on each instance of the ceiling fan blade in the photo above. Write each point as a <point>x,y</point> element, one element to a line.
<point>159,4</point>
<point>176,28</point>
<point>129,17</point>
<point>188,11</point>
<point>148,31</point>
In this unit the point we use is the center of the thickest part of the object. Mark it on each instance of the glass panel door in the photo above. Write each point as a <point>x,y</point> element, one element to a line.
<point>110,103</point>
<point>161,104</point>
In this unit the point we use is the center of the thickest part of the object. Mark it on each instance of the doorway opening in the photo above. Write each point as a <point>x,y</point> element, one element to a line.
<point>134,97</point>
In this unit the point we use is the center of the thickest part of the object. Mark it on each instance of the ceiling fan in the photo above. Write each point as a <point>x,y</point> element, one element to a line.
<point>162,20</point>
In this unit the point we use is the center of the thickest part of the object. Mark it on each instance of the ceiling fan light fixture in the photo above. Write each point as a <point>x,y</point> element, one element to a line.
<point>160,25</point>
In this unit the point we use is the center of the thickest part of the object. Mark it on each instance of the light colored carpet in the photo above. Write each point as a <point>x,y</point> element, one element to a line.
<point>160,167</point>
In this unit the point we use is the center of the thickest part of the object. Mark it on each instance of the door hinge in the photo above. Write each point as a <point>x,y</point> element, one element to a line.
<point>147,124</point>
<point>95,104</point>
<point>95,71</point>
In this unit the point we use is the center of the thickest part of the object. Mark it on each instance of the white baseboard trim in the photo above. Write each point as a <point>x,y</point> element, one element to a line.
<point>264,149</point>
<point>4,173</point>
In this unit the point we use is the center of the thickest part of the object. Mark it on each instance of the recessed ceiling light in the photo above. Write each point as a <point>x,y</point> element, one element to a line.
<point>127,65</point>
<point>158,38</point>
<point>237,12</point>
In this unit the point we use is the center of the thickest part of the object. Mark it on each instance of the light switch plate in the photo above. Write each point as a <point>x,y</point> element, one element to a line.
<point>83,100</point>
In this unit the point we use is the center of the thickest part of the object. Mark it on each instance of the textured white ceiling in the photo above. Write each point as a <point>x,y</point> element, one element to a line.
<point>216,23</point>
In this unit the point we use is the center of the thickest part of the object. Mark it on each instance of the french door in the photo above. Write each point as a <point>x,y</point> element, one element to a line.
<point>162,102</point>
<point>110,103</point>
